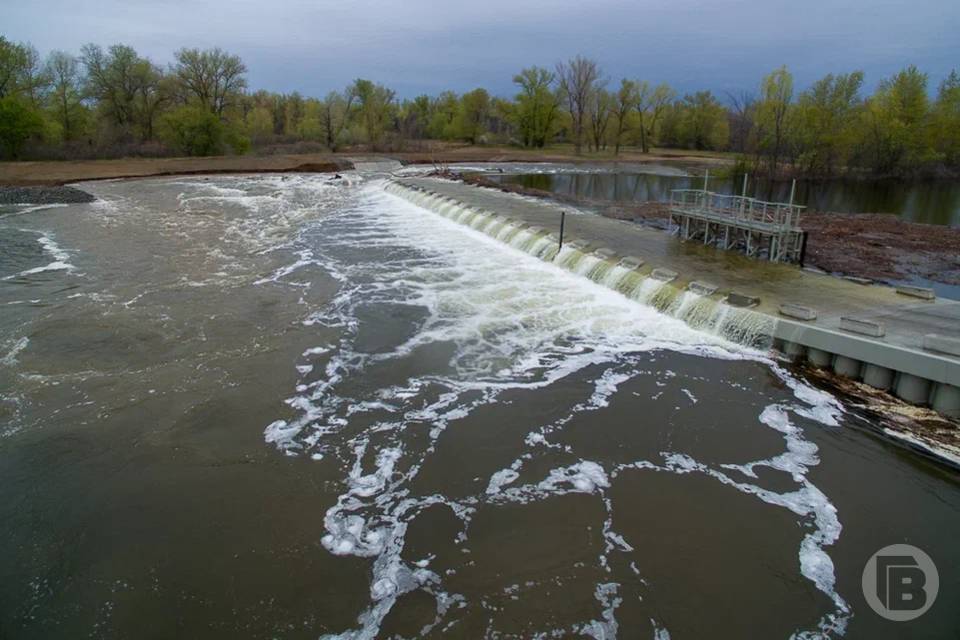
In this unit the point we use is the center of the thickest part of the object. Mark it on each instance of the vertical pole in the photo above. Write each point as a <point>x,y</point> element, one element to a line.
<point>744,192</point>
<point>793,190</point>
<point>563,217</point>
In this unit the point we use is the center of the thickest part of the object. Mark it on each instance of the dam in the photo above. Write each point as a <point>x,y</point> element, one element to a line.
<point>903,340</point>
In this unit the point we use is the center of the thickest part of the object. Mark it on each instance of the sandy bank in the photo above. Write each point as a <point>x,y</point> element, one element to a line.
<point>63,172</point>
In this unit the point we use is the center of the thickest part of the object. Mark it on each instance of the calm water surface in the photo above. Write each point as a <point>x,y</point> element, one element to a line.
<point>930,202</point>
<point>292,406</point>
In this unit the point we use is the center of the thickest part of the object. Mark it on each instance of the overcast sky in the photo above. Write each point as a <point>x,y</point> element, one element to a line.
<point>425,46</point>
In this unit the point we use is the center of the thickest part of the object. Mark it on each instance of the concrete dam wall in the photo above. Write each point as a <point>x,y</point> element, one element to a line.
<point>904,341</point>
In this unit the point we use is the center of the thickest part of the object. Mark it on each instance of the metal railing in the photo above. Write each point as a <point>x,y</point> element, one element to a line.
<point>736,209</point>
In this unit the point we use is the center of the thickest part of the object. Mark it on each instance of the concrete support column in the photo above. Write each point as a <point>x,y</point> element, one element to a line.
<point>794,350</point>
<point>819,357</point>
<point>878,377</point>
<point>946,399</point>
<point>913,389</point>
<point>848,367</point>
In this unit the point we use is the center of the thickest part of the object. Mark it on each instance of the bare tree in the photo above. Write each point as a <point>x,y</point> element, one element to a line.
<point>624,100</point>
<point>742,115</point>
<point>213,77</point>
<point>600,110</point>
<point>579,79</point>
<point>64,73</point>
<point>650,105</point>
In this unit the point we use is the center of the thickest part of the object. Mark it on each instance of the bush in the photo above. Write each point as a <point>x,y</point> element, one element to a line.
<point>18,123</point>
<point>193,131</point>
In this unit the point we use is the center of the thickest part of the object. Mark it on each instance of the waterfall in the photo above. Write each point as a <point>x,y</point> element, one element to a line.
<point>697,307</point>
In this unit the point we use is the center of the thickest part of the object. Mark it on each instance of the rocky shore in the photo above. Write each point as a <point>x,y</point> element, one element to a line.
<point>43,195</point>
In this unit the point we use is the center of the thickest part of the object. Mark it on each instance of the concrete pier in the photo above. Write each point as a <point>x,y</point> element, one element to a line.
<point>906,341</point>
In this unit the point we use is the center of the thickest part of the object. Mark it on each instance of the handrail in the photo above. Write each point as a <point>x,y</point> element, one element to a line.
<point>737,208</point>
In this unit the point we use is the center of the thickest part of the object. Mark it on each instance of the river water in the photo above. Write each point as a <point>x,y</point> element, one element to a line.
<point>295,406</point>
<point>929,201</point>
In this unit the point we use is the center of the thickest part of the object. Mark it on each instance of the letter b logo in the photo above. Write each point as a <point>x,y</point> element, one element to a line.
<point>900,582</point>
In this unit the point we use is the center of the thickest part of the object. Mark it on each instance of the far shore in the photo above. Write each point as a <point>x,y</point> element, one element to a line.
<point>60,172</point>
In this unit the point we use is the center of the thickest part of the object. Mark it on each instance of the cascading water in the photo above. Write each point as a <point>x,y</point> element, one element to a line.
<point>702,312</point>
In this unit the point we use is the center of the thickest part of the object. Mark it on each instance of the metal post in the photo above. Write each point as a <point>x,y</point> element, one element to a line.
<point>744,193</point>
<point>803,248</point>
<point>706,178</point>
<point>563,217</point>
<point>793,190</point>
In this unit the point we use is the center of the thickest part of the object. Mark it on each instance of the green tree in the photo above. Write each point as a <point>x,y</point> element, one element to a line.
<point>19,121</point>
<point>212,77</point>
<point>897,120</point>
<point>537,106</point>
<point>651,102</point>
<point>193,130</point>
<point>599,111</point>
<point>375,108</point>
<point>703,122</point>
<point>20,72</point>
<point>65,100</point>
<point>130,91</point>
<point>444,111</point>
<point>472,115</point>
<point>946,120</point>
<point>334,114</point>
<point>827,116</point>
<point>773,116</point>
<point>624,100</point>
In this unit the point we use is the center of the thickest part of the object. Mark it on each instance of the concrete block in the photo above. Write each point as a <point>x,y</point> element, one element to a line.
<point>946,399</point>
<point>913,388</point>
<point>917,292</point>
<point>536,230</point>
<point>578,244</point>
<point>862,326</point>
<point>604,253</point>
<point>631,262</point>
<point>848,367</point>
<point>819,357</point>
<point>742,300</point>
<point>858,280</point>
<point>941,344</point>
<point>665,275</point>
<point>878,377</point>
<point>797,311</point>
<point>703,288</point>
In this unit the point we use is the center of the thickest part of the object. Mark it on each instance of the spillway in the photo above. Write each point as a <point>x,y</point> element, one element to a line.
<point>901,340</point>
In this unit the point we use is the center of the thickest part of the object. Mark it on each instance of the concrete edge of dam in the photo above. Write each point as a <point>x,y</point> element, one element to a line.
<point>855,348</point>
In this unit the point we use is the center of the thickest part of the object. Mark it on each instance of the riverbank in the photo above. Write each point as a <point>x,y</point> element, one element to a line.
<point>55,173</point>
<point>60,172</point>
<point>879,247</point>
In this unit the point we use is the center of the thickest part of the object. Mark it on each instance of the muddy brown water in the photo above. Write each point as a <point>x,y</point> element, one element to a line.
<point>292,406</point>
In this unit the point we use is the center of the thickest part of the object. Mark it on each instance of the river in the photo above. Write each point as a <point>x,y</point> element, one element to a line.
<point>928,201</point>
<point>296,406</point>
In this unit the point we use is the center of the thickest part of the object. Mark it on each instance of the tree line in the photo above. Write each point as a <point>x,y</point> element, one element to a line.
<point>114,102</point>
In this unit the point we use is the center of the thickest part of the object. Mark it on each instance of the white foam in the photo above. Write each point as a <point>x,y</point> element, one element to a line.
<point>512,323</point>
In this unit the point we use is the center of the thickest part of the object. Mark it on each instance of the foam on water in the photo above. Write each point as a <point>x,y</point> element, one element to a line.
<point>512,322</point>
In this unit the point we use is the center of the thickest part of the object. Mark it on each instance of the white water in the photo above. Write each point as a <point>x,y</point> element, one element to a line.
<point>703,313</point>
<point>513,322</point>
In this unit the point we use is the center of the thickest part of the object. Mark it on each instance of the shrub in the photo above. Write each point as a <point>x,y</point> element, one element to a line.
<point>193,131</point>
<point>18,123</point>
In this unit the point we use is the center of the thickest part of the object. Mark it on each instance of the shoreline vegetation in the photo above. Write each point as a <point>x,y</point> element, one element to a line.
<point>111,102</point>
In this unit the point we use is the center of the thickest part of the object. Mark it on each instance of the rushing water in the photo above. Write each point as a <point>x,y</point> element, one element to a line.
<point>296,406</point>
<point>931,202</point>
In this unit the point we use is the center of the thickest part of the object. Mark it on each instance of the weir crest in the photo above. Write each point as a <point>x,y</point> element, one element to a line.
<point>708,313</point>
